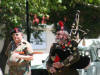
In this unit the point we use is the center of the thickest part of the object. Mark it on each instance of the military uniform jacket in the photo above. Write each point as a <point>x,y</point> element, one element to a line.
<point>18,66</point>
<point>67,54</point>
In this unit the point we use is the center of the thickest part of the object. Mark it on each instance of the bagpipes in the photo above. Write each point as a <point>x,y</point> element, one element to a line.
<point>77,29</point>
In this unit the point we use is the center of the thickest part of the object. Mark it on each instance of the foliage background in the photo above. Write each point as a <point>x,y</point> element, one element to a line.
<point>13,13</point>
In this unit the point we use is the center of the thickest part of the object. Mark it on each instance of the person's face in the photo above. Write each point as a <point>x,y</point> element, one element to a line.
<point>17,36</point>
<point>61,37</point>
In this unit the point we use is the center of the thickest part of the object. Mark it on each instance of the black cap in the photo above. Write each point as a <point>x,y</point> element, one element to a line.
<point>15,30</point>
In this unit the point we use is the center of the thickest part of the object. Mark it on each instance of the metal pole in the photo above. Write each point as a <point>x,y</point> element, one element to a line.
<point>27,21</point>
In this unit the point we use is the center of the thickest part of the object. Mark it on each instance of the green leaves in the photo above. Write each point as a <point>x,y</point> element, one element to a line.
<point>13,12</point>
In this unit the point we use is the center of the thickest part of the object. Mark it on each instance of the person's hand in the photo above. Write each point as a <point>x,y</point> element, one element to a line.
<point>58,65</point>
<point>28,58</point>
<point>52,70</point>
<point>24,57</point>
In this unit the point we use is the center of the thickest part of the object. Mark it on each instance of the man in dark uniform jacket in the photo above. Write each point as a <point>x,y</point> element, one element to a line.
<point>64,56</point>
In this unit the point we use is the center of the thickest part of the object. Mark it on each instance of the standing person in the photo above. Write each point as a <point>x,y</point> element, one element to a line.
<point>64,57</point>
<point>19,54</point>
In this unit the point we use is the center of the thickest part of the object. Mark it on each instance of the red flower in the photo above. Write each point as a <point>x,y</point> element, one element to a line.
<point>61,24</point>
<point>57,59</point>
<point>16,30</point>
<point>63,47</point>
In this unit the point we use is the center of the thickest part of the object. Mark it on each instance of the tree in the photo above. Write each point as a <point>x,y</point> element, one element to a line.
<point>11,15</point>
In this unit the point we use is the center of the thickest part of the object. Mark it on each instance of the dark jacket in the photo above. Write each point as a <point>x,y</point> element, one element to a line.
<point>67,54</point>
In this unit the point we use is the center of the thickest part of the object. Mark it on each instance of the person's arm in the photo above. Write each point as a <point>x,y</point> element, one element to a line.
<point>28,53</point>
<point>49,63</point>
<point>29,49</point>
<point>7,53</point>
<point>71,59</point>
<point>25,57</point>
